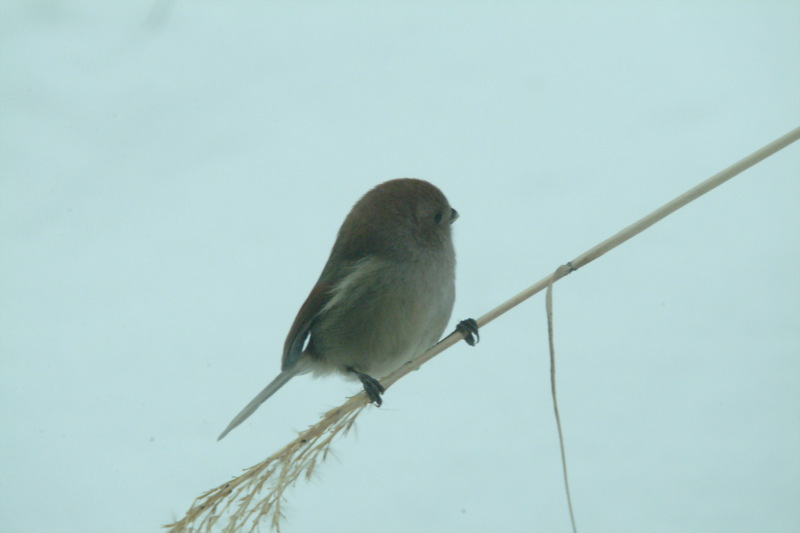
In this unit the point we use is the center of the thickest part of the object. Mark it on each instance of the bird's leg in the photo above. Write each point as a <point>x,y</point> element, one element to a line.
<point>372,386</point>
<point>469,328</point>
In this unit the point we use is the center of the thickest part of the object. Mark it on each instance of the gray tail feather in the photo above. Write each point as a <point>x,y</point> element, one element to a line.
<point>260,398</point>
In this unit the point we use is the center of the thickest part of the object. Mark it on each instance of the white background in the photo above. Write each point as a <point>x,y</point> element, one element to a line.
<point>172,176</point>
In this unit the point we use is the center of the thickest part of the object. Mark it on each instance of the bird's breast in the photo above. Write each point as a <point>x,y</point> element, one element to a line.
<point>384,313</point>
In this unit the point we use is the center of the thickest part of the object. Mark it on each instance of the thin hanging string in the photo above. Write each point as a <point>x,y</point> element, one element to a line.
<point>560,272</point>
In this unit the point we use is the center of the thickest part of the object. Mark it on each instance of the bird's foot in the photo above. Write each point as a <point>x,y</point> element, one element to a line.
<point>469,328</point>
<point>372,387</point>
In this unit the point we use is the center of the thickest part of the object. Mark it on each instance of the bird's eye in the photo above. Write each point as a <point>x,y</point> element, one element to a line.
<point>438,217</point>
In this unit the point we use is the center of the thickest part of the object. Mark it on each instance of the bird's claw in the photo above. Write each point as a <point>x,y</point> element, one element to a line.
<point>469,328</point>
<point>372,387</point>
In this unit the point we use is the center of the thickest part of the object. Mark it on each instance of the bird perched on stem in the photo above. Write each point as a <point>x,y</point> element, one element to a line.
<point>384,296</point>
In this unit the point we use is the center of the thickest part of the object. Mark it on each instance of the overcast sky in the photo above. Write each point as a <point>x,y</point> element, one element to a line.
<point>173,174</point>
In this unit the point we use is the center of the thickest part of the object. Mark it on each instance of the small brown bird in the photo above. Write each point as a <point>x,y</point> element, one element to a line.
<point>384,296</point>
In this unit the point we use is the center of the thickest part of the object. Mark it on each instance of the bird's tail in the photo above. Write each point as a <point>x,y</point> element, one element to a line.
<point>279,381</point>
